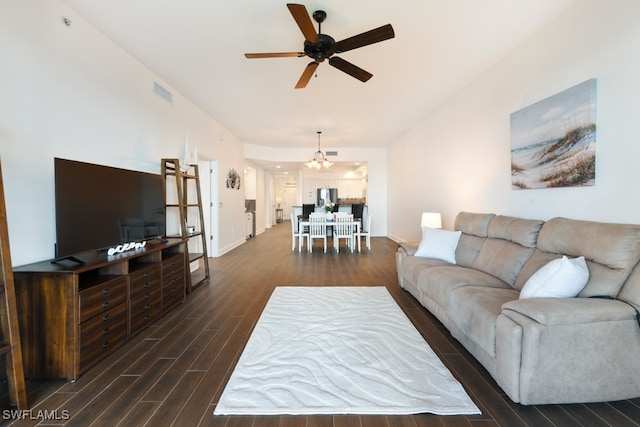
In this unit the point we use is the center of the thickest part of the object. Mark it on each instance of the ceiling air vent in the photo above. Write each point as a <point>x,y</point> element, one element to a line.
<point>162,92</point>
<point>332,153</point>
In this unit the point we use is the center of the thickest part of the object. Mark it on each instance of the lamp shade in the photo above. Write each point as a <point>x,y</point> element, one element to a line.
<point>431,219</point>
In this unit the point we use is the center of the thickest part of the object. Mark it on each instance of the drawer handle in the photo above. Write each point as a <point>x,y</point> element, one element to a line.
<point>105,344</point>
<point>146,285</point>
<point>105,291</point>
<point>174,280</point>
<point>105,304</point>
<point>147,307</point>
<point>105,331</point>
<point>146,274</point>
<point>105,317</point>
<point>147,295</point>
<point>174,289</point>
<point>146,317</point>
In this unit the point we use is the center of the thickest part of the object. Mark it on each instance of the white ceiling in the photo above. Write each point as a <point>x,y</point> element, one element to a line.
<point>198,47</point>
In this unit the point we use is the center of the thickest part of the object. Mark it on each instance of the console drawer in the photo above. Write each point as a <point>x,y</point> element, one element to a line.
<point>144,280</point>
<point>102,297</point>
<point>102,333</point>
<point>145,308</point>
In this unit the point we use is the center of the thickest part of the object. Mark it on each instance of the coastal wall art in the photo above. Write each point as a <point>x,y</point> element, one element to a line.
<point>553,142</point>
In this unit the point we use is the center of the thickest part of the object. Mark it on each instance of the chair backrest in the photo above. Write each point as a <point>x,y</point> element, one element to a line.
<point>307,209</point>
<point>343,225</point>
<point>357,209</point>
<point>317,224</point>
<point>294,224</point>
<point>367,224</point>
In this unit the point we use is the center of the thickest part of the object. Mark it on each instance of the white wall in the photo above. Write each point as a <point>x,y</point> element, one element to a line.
<point>70,92</point>
<point>458,157</point>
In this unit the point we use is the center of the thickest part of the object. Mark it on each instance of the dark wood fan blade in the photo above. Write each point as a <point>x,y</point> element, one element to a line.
<point>350,69</point>
<point>300,14</point>
<point>364,39</point>
<point>274,55</point>
<point>306,75</point>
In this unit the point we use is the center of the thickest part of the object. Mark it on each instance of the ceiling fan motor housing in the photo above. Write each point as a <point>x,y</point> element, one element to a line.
<point>320,51</point>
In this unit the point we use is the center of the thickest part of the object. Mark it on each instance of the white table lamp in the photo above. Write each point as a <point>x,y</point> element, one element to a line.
<point>431,219</point>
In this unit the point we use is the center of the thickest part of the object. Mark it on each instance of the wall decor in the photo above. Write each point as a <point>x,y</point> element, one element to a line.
<point>553,142</point>
<point>233,179</point>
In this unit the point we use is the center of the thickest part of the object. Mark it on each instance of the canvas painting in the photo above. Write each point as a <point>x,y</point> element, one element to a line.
<point>553,142</point>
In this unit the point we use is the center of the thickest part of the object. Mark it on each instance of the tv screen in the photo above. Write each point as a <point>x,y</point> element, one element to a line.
<point>98,207</point>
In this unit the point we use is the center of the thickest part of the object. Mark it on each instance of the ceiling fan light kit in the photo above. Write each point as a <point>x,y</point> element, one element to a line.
<point>319,47</point>
<point>319,160</point>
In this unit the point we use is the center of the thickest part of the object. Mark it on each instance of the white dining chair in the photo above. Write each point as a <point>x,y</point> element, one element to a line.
<point>343,229</point>
<point>317,229</point>
<point>365,231</point>
<point>297,234</point>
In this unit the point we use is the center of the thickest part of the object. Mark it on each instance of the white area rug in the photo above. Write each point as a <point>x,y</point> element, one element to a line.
<point>339,350</point>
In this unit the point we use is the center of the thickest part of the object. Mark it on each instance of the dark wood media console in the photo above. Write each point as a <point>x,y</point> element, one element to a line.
<point>72,315</point>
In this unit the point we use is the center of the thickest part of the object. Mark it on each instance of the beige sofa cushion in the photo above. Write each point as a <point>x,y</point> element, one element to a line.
<point>475,309</point>
<point>521,231</point>
<point>439,281</point>
<point>611,250</point>
<point>502,259</point>
<point>510,242</point>
<point>412,266</point>
<point>475,228</point>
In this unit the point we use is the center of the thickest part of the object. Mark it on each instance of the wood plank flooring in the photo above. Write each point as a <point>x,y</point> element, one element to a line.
<point>174,371</point>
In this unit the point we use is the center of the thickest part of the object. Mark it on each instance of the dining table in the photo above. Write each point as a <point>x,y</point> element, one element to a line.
<point>302,222</point>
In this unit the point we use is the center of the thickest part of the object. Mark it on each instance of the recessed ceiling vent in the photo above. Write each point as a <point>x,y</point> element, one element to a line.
<point>163,93</point>
<point>332,153</point>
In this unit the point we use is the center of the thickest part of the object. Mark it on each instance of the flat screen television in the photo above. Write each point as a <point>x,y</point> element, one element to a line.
<point>98,207</point>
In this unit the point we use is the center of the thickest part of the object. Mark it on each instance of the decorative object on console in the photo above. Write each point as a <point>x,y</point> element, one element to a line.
<point>126,247</point>
<point>553,141</point>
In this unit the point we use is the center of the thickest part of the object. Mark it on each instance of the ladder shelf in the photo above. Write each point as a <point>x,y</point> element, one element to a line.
<point>185,179</point>
<point>10,348</point>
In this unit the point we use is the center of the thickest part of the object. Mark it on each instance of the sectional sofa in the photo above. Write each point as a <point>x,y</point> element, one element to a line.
<point>550,347</point>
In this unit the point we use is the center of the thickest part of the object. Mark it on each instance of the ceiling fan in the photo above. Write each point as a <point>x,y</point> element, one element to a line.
<point>319,47</point>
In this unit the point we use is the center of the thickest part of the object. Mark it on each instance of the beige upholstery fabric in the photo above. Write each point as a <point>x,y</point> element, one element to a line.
<point>612,250</point>
<point>539,350</point>
<point>476,311</point>
<point>502,259</point>
<point>521,231</point>
<point>474,224</point>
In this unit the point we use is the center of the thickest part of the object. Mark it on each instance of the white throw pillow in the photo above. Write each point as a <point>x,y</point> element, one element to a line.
<point>560,278</point>
<point>438,244</point>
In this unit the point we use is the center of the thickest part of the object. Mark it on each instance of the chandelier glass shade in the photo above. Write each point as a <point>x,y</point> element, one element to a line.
<point>319,161</point>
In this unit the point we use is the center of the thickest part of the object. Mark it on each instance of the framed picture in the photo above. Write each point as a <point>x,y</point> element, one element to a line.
<point>553,142</point>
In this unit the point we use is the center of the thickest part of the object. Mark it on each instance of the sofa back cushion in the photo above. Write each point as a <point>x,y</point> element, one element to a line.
<point>611,250</point>
<point>510,242</point>
<point>474,227</point>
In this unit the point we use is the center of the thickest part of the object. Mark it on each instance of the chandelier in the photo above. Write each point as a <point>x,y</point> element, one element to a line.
<point>319,161</point>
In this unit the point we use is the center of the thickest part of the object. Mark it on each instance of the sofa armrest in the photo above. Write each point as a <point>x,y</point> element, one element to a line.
<point>557,350</point>
<point>569,311</point>
<point>408,248</point>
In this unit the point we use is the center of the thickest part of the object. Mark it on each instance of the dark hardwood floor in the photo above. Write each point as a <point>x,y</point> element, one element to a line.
<point>174,372</point>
